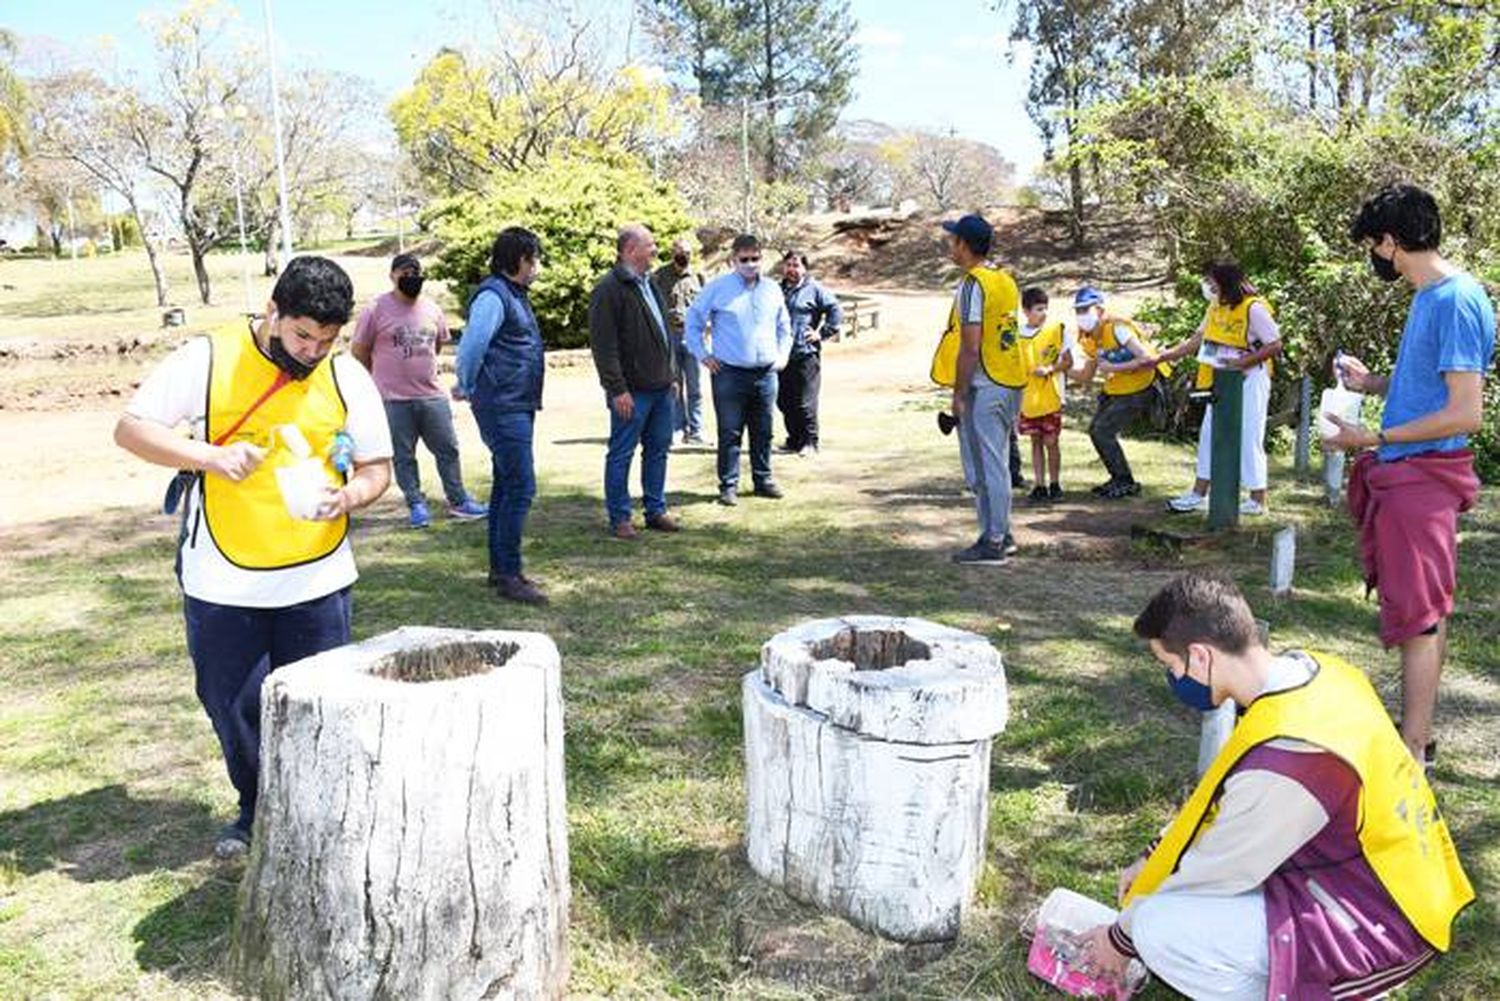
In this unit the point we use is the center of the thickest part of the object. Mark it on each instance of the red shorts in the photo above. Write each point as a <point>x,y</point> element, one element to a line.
<point>1045,426</point>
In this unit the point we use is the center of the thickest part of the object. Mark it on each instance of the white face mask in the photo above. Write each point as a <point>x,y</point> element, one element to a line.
<point>1088,321</point>
<point>1209,291</point>
<point>748,270</point>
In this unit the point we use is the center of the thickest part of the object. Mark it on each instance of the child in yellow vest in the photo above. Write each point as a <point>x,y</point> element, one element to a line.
<point>1047,351</point>
<point>1237,332</point>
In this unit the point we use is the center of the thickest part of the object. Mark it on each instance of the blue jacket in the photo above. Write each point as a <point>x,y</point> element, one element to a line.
<point>500,364</point>
<point>811,307</point>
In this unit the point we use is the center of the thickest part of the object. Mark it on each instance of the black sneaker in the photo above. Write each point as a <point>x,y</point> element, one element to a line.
<point>729,496</point>
<point>1008,545</point>
<point>769,490</point>
<point>1018,483</point>
<point>983,552</point>
<point>1104,488</point>
<point>1038,495</point>
<point>1122,489</point>
<point>1054,492</point>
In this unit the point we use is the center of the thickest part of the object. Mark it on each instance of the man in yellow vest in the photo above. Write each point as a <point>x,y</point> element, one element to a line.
<point>284,440</point>
<point>1311,862</point>
<point>1116,349</point>
<point>978,358</point>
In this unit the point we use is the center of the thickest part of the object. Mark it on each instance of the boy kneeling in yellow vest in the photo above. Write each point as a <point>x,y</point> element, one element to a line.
<point>1311,861</point>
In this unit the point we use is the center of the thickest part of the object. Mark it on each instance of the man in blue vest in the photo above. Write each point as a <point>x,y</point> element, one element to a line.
<point>500,370</point>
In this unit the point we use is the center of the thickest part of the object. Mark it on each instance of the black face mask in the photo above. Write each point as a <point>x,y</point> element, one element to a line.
<point>1384,268</point>
<point>410,285</point>
<point>286,361</point>
<point>681,260</point>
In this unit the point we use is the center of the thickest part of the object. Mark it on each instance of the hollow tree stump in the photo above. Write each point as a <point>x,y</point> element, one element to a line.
<point>411,839</point>
<point>867,753</point>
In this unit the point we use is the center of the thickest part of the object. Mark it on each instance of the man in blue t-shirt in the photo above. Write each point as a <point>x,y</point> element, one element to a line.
<point>1407,495</point>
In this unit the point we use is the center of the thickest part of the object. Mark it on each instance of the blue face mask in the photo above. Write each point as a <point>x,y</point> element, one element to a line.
<point>1190,692</point>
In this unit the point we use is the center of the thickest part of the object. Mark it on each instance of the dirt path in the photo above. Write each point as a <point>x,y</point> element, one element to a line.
<point>64,463</point>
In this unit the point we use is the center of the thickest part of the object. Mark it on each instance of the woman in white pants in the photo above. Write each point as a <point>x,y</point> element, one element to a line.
<point>1239,332</point>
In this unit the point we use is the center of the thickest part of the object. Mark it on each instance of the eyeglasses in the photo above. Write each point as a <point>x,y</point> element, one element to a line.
<point>749,260</point>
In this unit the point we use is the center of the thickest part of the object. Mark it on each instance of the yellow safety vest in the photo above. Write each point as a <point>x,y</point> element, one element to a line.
<point>998,352</point>
<point>1403,836</point>
<point>1228,325</point>
<point>248,520</point>
<point>1103,339</point>
<point>1041,395</point>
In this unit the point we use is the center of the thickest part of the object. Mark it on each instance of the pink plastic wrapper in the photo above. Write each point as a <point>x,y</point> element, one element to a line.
<point>1063,917</point>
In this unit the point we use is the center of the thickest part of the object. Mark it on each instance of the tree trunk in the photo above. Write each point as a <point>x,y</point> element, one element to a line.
<point>867,751</point>
<point>200,270</point>
<point>411,839</point>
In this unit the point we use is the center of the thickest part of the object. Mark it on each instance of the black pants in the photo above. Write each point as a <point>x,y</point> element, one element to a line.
<point>1115,415</point>
<point>798,399</point>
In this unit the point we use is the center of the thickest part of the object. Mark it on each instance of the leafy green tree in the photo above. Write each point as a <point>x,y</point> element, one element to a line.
<point>766,50</point>
<point>471,115</point>
<point>575,206</point>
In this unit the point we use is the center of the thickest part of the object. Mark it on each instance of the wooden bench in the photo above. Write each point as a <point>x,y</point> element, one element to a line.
<point>861,312</point>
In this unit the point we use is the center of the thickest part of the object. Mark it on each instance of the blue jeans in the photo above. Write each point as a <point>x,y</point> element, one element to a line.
<point>650,426</point>
<point>984,437</point>
<point>744,396</point>
<point>233,650</point>
<point>508,436</point>
<point>687,395</point>
<point>430,420</point>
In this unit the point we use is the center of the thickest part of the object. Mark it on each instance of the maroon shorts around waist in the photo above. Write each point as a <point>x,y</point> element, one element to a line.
<point>1045,426</point>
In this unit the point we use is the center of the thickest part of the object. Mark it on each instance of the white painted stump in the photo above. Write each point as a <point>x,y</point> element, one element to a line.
<point>867,755</point>
<point>411,837</point>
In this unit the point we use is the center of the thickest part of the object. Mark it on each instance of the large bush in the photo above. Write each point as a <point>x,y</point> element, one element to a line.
<point>575,206</point>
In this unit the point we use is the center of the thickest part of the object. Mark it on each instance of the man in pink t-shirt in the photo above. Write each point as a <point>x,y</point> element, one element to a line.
<point>397,338</point>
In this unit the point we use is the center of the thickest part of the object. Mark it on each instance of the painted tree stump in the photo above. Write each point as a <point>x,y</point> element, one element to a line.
<point>411,835</point>
<point>867,758</point>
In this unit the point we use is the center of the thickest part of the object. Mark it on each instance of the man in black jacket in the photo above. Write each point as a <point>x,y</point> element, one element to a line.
<point>637,368</point>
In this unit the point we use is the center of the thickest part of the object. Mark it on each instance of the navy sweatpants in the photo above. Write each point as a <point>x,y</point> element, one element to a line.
<point>233,650</point>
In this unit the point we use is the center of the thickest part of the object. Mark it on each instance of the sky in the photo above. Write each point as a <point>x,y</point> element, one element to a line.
<point>932,64</point>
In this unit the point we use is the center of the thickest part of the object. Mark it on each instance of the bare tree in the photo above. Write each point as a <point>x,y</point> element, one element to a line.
<point>83,121</point>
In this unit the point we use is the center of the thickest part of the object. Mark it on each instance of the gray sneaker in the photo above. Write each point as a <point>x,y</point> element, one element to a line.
<point>233,842</point>
<point>983,552</point>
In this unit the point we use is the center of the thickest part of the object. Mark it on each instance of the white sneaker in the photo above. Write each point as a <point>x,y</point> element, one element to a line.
<point>1253,507</point>
<point>1184,503</point>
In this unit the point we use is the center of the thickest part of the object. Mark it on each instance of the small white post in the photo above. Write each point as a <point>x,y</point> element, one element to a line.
<point>1283,561</point>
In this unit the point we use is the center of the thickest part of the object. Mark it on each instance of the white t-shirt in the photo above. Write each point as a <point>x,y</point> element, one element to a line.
<point>176,393</point>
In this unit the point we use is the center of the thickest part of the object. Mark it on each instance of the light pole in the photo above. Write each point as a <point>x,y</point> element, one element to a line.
<point>745,105</point>
<point>235,115</point>
<point>285,218</point>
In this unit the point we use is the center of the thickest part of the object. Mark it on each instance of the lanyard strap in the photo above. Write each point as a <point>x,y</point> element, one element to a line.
<point>281,380</point>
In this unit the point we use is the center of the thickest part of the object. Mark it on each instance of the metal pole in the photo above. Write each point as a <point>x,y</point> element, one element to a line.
<point>239,218</point>
<point>400,222</point>
<point>745,154</point>
<point>1224,489</point>
<point>1304,428</point>
<point>285,218</point>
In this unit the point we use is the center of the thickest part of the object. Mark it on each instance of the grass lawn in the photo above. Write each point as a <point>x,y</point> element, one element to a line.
<point>111,785</point>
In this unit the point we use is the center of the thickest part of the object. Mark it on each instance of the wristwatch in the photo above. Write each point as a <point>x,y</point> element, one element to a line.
<point>1381,438</point>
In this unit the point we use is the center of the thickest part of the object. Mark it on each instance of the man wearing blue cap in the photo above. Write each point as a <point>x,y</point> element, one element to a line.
<point>979,358</point>
<point>1116,348</point>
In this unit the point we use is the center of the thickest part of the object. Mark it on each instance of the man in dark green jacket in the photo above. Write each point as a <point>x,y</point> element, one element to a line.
<point>637,368</point>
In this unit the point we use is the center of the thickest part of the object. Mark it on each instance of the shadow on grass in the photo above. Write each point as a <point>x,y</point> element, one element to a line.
<point>188,936</point>
<point>104,834</point>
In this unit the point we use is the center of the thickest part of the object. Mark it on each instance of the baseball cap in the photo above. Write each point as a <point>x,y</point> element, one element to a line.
<point>1088,296</point>
<point>405,261</point>
<point>973,230</point>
